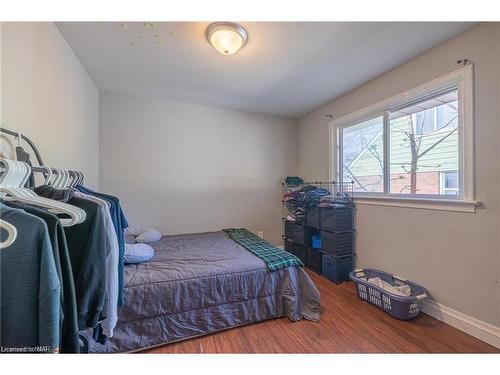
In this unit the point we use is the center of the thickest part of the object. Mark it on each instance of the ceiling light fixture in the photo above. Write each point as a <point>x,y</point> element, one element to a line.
<point>226,37</point>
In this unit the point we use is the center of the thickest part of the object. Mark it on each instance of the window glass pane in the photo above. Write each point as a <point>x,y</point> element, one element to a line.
<point>424,121</point>
<point>423,143</point>
<point>363,155</point>
<point>449,183</point>
<point>451,180</point>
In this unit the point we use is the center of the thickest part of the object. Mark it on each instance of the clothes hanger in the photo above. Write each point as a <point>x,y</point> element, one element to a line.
<point>57,178</point>
<point>54,177</point>
<point>46,171</point>
<point>79,177</point>
<point>64,179</point>
<point>72,178</point>
<point>10,185</point>
<point>18,176</point>
<point>68,179</point>
<point>11,234</point>
<point>14,178</point>
<point>49,174</point>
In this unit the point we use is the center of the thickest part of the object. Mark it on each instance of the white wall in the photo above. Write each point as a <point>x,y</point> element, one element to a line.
<point>185,167</point>
<point>455,255</point>
<point>48,96</point>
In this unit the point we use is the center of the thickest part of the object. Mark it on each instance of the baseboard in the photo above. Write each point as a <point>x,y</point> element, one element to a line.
<point>472,326</point>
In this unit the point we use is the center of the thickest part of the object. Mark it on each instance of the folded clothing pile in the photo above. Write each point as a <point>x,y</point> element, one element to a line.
<point>299,199</point>
<point>399,290</point>
<point>334,200</point>
<point>313,197</point>
<point>294,180</point>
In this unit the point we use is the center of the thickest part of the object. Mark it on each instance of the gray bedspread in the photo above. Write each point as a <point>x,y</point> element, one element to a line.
<point>202,283</point>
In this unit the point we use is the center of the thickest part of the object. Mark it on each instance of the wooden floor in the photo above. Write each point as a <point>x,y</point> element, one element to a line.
<point>348,325</point>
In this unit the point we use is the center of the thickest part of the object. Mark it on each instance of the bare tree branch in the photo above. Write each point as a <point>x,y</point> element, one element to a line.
<point>436,143</point>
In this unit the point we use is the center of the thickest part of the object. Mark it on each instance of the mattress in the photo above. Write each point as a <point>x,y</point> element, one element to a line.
<point>202,283</point>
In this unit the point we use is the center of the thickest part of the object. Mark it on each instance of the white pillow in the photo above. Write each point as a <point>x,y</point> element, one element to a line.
<point>138,252</point>
<point>135,230</point>
<point>143,234</point>
<point>149,235</point>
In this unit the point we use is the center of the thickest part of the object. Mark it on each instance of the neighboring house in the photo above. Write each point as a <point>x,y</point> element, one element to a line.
<point>435,130</point>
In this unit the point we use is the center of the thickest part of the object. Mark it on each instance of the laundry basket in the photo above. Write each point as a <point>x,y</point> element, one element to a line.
<point>400,307</point>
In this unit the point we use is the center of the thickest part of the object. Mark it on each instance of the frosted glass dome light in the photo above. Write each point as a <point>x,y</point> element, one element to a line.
<point>226,37</point>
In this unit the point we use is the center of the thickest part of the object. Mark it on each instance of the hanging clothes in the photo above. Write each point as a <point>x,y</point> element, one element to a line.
<point>120,223</point>
<point>61,195</point>
<point>68,315</point>
<point>88,256</point>
<point>109,323</point>
<point>30,287</point>
<point>88,260</point>
<point>80,265</point>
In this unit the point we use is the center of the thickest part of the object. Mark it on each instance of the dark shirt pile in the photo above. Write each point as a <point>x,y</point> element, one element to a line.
<point>300,198</point>
<point>337,200</point>
<point>55,279</point>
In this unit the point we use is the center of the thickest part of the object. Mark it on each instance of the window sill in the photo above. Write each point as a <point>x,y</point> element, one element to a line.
<point>421,203</point>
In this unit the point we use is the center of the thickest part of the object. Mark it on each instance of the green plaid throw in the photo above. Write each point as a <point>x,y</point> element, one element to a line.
<point>275,258</point>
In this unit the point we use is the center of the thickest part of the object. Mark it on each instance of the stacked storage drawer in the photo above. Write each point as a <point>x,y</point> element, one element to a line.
<point>298,233</point>
<point>337,242</point>
<point>313,217</point>
<point>334,258</point>
<point>322,237</point>
<point>300,251</point>
<point>298,239</point>
<point>315,260</point>
<point>337,268</point>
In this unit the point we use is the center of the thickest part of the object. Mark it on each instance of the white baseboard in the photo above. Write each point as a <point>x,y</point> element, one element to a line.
<point>472,326</point>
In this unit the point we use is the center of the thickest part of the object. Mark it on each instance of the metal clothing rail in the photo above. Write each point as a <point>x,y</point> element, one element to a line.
<point>28,141</point>
<point>40,168</point>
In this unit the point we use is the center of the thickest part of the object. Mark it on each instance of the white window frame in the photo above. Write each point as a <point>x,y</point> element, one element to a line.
<point>462,80</point>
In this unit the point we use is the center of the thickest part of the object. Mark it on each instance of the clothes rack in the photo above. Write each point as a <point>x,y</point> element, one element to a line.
<point>28,141</point>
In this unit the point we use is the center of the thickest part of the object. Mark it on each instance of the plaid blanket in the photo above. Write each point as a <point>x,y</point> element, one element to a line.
<point>274,257</point>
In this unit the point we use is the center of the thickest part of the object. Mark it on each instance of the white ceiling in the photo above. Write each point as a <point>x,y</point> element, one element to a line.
<point>286,68</point>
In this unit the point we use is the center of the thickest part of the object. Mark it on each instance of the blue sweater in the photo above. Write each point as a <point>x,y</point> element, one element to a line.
<point>30,288</point>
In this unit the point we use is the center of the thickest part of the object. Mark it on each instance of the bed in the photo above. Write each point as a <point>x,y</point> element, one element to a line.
<point>202,283</point>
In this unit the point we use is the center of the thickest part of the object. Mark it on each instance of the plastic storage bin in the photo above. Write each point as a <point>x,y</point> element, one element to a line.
<point>399,307</point>
<point>313,217</point>
<point>337,269</point>
<point>314,260</point>
<point>336,219</point>
<point>296,249</point>
<point>298,233</point>
<point>337,243</point>
<point>316,241</point>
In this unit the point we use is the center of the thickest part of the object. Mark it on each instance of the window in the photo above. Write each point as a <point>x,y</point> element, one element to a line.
<point>362,159</point>
<point>418,144</point>
<point>449,183</point>
<point>423,142</point>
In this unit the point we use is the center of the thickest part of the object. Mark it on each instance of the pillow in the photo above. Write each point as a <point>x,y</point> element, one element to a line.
<point>129,238</point>
<point>135,230</point>
<point>148,235</point>
<point>143,234</point>
<point>138,253</point>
